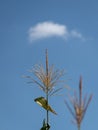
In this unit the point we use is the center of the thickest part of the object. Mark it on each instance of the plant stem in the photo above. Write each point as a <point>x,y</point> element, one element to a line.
<point>78,126</point>
<point>47,112</point>
<point>47,88</point>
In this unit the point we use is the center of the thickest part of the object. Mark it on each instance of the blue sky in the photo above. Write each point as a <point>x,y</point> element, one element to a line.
<point>69,30</point>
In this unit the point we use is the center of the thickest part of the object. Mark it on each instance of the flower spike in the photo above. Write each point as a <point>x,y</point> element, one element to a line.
<point>79,105</point>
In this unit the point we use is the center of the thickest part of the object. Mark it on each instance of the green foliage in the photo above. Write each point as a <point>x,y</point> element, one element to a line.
<point>45,126</point>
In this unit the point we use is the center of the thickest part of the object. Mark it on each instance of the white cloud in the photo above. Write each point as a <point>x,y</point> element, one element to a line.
<point>76,34</point>
<point>51,29</point>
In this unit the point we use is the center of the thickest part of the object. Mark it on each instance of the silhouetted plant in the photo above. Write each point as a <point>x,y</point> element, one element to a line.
<point>45,126</point>
<point>80,105</point>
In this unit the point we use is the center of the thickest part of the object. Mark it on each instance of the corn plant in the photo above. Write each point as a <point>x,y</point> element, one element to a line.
<point>79,105</point>
<point>48,79</point>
